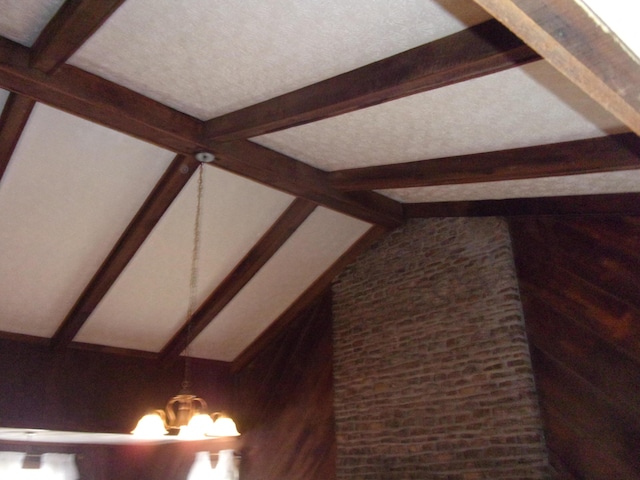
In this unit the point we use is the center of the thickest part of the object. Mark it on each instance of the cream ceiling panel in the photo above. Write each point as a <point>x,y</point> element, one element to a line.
<point>148,302</point>
<point>23,20</point>
<point>515,108</point>
<point>3,98</point>
<point>68,193</point>
<point>589,184</point>
<point>320,241</point>
<point>207,58</point>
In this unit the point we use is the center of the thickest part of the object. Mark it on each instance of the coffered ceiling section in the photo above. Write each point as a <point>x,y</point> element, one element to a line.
<point>329,120</point>
<point>208,58</point>
<point>67,195</point>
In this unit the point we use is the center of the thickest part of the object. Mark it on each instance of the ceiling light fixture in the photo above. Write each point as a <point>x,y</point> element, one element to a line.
<point>185,414</point>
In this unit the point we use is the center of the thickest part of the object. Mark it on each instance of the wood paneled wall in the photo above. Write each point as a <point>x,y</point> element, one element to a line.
<point>283,406</point>
<point>93,391</point>
<point>580,288</point>
<point>285,403</point>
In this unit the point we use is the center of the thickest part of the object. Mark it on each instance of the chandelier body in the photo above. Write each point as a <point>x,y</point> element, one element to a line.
<point>182,408</point>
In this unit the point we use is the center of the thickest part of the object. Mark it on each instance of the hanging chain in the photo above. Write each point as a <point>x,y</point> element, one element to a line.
<point>193,281</point>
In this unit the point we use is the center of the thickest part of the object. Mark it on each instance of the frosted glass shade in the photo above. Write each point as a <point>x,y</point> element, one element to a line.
<point>150,426</point>
<point>223,427</point>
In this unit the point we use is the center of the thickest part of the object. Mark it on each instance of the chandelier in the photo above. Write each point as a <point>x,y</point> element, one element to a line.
<point>185,414</point>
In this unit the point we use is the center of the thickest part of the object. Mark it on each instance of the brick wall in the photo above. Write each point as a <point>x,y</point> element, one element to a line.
<point>432,371</point>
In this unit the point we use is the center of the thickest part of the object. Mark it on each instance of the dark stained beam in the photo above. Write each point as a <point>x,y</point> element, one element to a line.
<point>73,24</point>
<point>242,273</point>
<point>576,43</point>
<point>98,100</point>
<point>603,154</point>
<point>163,194</point>
<point>103,102</point>
<point>606,204</point>
<point>12,122</point>
<point>284,173</point>
<point>480,50</point>
<point>307,297</point>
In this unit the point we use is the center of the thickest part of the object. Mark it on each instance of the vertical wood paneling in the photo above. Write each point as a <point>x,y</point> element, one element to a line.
<point>285,403</point>
<point>579,280</point>
<point>82,390</point>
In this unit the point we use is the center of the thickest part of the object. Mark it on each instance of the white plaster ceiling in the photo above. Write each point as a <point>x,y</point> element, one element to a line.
<point>317,244</point>
<point>3,97</point>
<point>154,288</point>
<point>588,184</point>
<point>23,20</point>
<point>72,187</point>
<point>228,55</point>
<point>67,195</point>
<point>519,107</point>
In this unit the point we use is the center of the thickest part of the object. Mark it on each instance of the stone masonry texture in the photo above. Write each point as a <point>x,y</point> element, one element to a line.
<point>432,372</point>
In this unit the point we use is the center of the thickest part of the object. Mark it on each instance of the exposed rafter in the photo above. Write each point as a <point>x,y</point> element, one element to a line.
<point>101,101</point>
<point>480,50</point>
<point>602,154</point>
<point>12,121</point>
<point>163,194</point>
<point>284,173</point>
<point>570,38</point>
<point>106,103</point>
<point>74,23</point>
<point>606,204</point>
<point>242,273</point>
<point>308,296</point>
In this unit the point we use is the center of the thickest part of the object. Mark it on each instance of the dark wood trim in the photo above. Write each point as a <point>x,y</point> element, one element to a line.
<point>480,50</point>
<point>602,154</point>
<point>158,201</point>
<point>14,117</point>
<point>307,297</point>
<point>242,273</point>
<point>72,25</point>
<point>569,38</point>
<point>122,352</point>
<point>279,171</point>
<point>23,338</point>
<point>606,204</point>
<point>98,100</point>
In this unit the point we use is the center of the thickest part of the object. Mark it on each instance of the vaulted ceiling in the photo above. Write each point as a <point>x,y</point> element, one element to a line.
<point>331,122</point>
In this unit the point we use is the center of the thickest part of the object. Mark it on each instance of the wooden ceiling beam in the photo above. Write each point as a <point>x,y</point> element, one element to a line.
<point>98,100</point>
<point>72,25</point>
<point>576,43</point>
<point>480,50</point>
<point>602,154</point>
<point>284,173</point>
<point>15,114</point>
<point>243,272</point>
<point>605,204</point>
<point>158,201</point>
<point>106,103</point>
<point>308,297</point>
